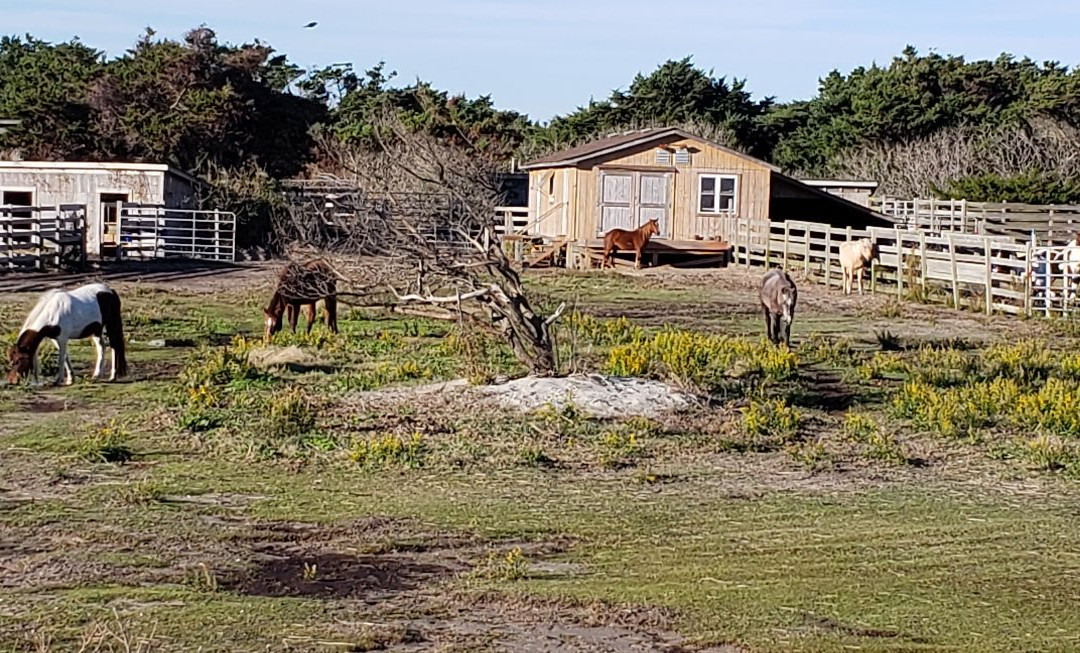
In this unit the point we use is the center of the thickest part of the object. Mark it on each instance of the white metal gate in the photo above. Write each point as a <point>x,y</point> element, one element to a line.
<point>148,232</point>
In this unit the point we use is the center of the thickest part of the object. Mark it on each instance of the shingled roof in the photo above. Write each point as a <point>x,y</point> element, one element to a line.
<point>612,145</point>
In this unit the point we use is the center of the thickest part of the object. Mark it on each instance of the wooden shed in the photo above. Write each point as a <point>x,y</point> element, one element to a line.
<point>692,186</point>
<point>102,187</point>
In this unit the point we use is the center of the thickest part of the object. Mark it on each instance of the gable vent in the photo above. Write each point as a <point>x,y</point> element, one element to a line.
<point>682,156</point>
<point>663,157</point>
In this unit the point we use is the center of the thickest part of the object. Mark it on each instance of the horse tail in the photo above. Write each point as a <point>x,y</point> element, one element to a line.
<point>114,327</point>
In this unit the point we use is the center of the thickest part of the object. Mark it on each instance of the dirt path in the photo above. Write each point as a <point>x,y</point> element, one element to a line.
<point>198,276</point>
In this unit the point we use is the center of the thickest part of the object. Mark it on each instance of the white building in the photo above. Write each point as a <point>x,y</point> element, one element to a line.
<point>101,187</point>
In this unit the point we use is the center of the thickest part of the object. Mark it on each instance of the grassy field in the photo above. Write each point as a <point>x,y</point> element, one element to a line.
<point>903,481</point>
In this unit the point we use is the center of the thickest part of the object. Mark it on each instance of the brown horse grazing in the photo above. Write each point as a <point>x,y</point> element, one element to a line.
<point>303,284</point>
<point>621,239</point>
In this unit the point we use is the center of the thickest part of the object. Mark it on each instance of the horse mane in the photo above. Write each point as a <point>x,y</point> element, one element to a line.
<point>277,303</point>
<point>29,341</point>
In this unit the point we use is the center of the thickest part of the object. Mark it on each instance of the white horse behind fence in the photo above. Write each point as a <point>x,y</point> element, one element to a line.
<point>1054,275</point>
<point>1070,264</point>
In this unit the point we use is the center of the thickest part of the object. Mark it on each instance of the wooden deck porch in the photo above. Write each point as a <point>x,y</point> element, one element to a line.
<point>678,252</point>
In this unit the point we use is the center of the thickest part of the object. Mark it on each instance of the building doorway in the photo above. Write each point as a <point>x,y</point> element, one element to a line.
<point>110,221</point>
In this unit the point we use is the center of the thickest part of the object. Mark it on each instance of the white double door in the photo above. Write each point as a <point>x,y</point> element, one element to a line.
<point>629,199</point>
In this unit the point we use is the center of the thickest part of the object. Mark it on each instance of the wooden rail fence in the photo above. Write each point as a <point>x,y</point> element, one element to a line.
<point>1050,223</point>
<point>995,274</point>
<point>41,237</point>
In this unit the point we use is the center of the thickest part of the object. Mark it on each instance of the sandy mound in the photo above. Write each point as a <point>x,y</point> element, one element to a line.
<point>272,356</point>
<point>601,396</point>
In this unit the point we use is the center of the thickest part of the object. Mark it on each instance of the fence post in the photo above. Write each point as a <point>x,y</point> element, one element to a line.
<point>963,215</point>
<point>922,261</point>
<point>787,236</point>
<point>35,238</point>
<point>1027,278</point>
<point>768,245</point>
<point>806,257</point>
<point>873,276</point>
<point>989,277</point>
<point>955,283</point>
<point>748,240</point>
<point>217,235</point>
<point>828,255</point>
<point>899,265</point>
<point>5,228</point>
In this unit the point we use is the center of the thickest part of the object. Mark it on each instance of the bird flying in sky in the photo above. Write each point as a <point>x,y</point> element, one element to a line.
<point>311,24</point>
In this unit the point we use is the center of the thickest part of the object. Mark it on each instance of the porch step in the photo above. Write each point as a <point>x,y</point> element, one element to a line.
<point>545,254</point>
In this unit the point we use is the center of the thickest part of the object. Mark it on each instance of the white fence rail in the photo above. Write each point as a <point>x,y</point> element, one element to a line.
<point>511,219</point>
<point>41,237</point>
<point>990,273</point>
<point>1054,223</point>
<point>150,232</point>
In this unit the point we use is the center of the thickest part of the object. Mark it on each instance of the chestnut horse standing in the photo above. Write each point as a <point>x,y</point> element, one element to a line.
<point>303,284</point>
<point>621,239</point>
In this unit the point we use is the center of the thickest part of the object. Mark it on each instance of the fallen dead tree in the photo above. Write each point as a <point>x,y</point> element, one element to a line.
<point>423,231</point>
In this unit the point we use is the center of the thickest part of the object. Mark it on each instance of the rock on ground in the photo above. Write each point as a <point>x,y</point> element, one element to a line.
<point>600,396</point>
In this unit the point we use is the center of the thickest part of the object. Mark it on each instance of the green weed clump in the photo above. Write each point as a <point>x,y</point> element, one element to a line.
<point>882,365</point>
<point>1026,361</point>
<point>290,415</point>
<point>605,333</point>
<point>1054,408</point>
<point>479,356</point>
<point>878,444</point>
<point>106,444</point>
<point>773,418</point>
<point>1050,454</point>
<point>619,447</point>
<point>811,455</point>
<point>211,371</point>
<point>503,567</point>
<point>700,361</point>
<point>828,351</point>
<point>389,451</point>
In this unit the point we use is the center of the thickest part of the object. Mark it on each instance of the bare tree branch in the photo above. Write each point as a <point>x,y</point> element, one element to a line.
<point>426,205</point>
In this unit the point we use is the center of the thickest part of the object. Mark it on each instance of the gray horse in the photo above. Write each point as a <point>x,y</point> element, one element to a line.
<point>778,296</point>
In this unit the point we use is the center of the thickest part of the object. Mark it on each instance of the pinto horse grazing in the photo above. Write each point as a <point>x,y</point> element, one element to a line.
<point>62,315</point>
<point>303,284</point>
<point>855,256</point>
<point>621,239</point>
<point>1070,258</point>
<point>778,297</point>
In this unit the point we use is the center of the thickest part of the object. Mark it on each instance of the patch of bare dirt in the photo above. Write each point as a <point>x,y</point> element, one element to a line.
<point>733,291</point>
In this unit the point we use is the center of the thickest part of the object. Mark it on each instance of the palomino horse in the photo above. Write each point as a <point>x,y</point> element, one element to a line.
<point>303,284</point>
<point>855,256</point>
<point>621,239</point>
<point>778,297</point>
<point>61,315</point>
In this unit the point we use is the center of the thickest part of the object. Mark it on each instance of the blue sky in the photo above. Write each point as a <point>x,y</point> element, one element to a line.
<point>548,57</point>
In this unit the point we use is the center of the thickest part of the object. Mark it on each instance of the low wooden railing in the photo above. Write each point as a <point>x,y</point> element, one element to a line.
<point>42,237</point>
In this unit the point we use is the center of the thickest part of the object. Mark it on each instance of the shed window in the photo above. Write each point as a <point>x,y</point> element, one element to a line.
<point>717,193</point>
<point>663,157</point>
